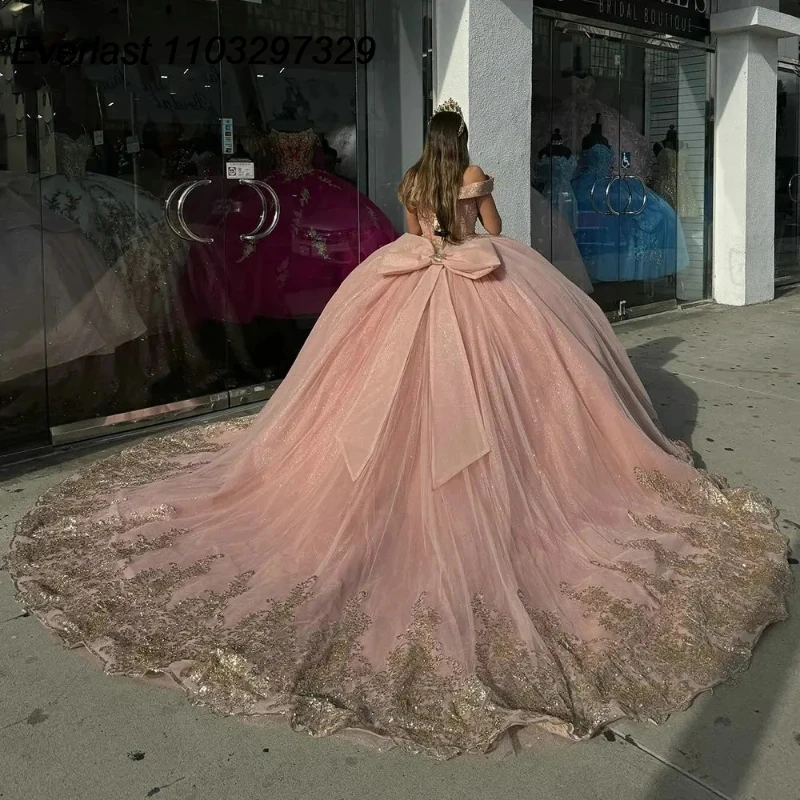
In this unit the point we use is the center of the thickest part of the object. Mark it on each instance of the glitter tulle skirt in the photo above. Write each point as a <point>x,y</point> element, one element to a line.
<point>457,516</point>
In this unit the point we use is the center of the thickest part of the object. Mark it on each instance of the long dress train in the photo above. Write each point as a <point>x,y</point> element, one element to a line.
<point>457,515</point>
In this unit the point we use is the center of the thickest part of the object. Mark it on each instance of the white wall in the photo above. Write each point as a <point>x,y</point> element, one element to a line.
<point>744,179</point>
<point>744,139</point>
<point>483,57</point>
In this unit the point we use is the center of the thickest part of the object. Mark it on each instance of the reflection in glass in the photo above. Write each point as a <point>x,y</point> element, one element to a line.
<point>124,308</point>
<point>23,379</point>
<point>609,157</point>
<point>787,179</point>
<point>682,172</point>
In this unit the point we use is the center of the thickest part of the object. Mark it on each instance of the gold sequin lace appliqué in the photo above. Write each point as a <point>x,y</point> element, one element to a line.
<point>710,607</point>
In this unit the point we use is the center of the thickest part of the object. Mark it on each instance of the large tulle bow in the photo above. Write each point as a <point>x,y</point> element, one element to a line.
<point>458,436</point>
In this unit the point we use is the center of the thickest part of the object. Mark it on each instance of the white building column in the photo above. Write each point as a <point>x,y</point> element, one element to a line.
<point>744,151</point>
<point>483,61</point>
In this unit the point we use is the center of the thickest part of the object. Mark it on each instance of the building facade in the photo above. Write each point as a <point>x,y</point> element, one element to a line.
<point>183,185</point>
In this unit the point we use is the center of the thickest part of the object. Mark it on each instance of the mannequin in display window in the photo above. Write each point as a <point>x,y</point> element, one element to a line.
<point>556,148</point>
<point>87,310</point>
<point>554,211</point>
<point>553,175</point>
<point>671,179</point>
<point>595,135</point>
<point>325,228</point>
<point>670,141</point>
<point>110,211</point>
<point>619,245</point>
<point>573,103</point>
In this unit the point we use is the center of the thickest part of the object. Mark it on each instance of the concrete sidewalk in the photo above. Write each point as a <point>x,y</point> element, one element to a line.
<point>725,380</point>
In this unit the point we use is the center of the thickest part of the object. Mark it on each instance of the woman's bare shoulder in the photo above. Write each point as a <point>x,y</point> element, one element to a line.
<point>474,174</point>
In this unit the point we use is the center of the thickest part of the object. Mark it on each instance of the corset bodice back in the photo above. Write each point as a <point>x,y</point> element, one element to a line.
<point>597,160</point>
<point>294,152</point>
<point>467,210</point>
<point>72,154</point>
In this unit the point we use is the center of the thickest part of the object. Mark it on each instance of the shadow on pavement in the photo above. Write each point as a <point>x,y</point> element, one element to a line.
<point>729,730</point>
<point>676,403</point>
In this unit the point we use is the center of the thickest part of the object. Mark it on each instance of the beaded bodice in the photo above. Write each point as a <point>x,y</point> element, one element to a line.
<point>467,210</point>
<point>72,154</point>
<point>597,160</point>
<point>293,152</point>
<point>556,171</point>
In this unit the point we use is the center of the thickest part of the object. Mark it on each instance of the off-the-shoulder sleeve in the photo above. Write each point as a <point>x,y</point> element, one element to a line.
<point>478,189</point>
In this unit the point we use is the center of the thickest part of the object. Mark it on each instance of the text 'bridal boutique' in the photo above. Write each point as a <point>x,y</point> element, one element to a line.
<point>457,516</point>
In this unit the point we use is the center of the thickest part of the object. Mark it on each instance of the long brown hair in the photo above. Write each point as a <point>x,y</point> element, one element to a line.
<point>432,185</point>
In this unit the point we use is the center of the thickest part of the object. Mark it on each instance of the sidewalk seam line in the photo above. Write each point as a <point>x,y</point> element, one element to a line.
<point>672,766</point>
<point>720,383</point>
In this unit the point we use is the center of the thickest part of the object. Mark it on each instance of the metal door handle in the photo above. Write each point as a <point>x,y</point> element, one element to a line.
<point>644,196</point>
<point>257,233</point>
<point>168,216</point>
<point>611,209</point>
<point>591,199</point>
<point>792,195</point>
<point>182,202</point>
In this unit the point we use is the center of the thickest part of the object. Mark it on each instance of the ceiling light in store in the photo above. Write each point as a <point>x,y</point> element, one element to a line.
<point>259,76</point>
<point>186,70</point>
<point>15,8</point>
<point>163,77</point>
<point>109,105</point>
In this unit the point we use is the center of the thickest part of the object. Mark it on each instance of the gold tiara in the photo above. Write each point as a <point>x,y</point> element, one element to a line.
<point>453,107</point>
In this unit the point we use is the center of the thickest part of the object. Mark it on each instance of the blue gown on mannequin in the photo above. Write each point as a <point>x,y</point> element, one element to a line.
<point>627,247</point>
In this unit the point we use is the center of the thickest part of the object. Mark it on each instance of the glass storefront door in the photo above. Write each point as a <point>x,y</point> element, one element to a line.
<point>617,178</point>
<point>23,356</point>
<point>787,179</point>
<point>198,189</point>
<point>117,141</point>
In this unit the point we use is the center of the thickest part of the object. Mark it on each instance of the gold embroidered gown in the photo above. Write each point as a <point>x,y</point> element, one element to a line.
<point>458,515</point>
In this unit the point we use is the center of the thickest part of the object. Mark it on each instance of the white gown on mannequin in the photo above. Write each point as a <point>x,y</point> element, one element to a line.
<point>110,211</point>
<point>552,236</point>
<point>127,225</point>
<point>672,182</point>
<point>53,277</point>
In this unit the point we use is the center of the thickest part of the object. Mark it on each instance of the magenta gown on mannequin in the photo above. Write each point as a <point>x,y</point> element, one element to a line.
<point>326,228</point>
<point>458,515</point>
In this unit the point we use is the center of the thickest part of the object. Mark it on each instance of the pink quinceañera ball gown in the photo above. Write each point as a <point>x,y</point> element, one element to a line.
<point>458,515</point>
<point>325,229</point>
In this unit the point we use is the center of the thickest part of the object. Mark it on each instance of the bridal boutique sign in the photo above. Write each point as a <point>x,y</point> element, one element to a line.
<point>687,19</point>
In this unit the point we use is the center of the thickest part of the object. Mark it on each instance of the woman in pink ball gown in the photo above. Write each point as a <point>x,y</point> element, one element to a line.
<point>456,517</point>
